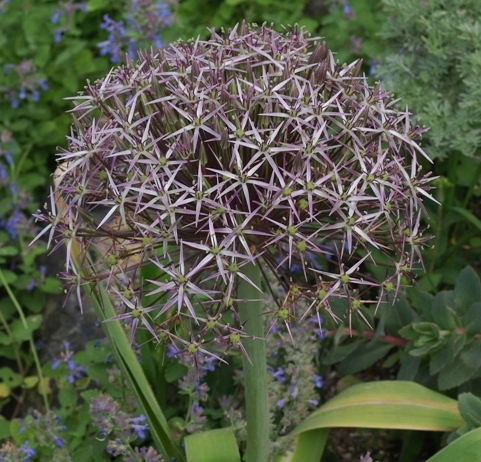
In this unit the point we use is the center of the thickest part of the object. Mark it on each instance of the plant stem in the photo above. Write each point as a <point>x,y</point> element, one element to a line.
<point>33,351</point>
<point>255,367</point>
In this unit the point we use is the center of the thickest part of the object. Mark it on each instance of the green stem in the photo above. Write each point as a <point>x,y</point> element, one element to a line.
<point>33,351</point>
<point>255,367</point>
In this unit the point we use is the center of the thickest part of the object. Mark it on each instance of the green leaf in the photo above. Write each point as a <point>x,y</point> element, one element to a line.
<point>52,286</point>
<point>472,355</point>
<point>174,372</point>
<point>443,356</point>
<point>470,409</point>
<point>10,378</point>
<point>454,375</point>
<point>443,309</point>
<point>469,216</point>
<point>4,429</point>
<point>212,446</point>
<point>364,356</point>
<point>472,319</point>
<point>68,398</point>
<point>467,289</point>
<point>409,368</point>
<point>22,332</point>
<point>341,352</point>
<point>10,277</point>
<point>465,448</point>
<point>309,447</point>
<point>386,404</point>
<point>8,251</point>
<point>93,5</point>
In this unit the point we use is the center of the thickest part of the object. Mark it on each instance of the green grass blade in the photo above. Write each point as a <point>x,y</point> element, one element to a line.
<point>387,404</point>
<point>212,446</point>
<point>465,448</point>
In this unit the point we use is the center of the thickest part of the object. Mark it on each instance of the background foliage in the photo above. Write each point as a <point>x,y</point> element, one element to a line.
<point>431,335</point>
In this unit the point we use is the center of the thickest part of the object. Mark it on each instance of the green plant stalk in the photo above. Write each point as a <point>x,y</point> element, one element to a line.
<point>255,367</point>
<point>38,366</point>
<point>129,365</point>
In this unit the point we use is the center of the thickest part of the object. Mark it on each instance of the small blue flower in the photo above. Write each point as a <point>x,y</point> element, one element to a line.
<point>27,451</point>
<point>35,95</point>
<point>55,363</point>
<point>58,441</point>
<point>22,93</point>
<point>280,404</point>
<point>347,10</point>
<point>279,374</point>
<point>42,83</point>
<point>57,35</point>
<point>318,381</point>
<point>138,428</point>
<point>56,16</point>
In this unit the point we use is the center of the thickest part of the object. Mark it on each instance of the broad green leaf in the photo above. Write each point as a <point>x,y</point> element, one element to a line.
<point>472,319</point>
<point>472,355</point>
<point>470,409</point>
<point>454,375</point>
<point>10,277</point>
<point>309,447</point>
<point>22,332</point>
<point>442,357</point>
<point>339,353</point>
<point>8,251</point>
<point>442,310</point>
<point>365,356</point>
<point>386,404</point>
<point>467,289</point>
<point>464,449</point>
<point>4,390</point>
<point>212,446</point>
<point>4,429</point>
<point>409,368</point>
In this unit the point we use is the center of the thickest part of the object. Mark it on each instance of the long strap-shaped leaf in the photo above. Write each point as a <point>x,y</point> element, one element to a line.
<point>131,368</point>
<point>466,448</point>
<point>212,446</point>
<point>386,404</point>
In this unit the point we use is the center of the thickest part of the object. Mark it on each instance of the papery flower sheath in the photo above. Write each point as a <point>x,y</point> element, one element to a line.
<point>253,147</point>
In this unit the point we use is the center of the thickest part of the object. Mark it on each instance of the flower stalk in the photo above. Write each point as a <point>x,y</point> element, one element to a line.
<point>254,366</point>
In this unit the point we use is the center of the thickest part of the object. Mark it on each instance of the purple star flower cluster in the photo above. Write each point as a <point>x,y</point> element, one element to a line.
<point>251,148</point>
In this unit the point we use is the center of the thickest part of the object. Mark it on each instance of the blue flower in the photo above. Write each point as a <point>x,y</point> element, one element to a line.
<point>28,452</point>
<point>139,428</point>
<point>58,441</point>
<point>280,404</point>
<point>279,374</point>
<point>347,10</point>
<point>56,16</point>
<point>42,83</point>
<point>318,381</point>
<point>57,35</point>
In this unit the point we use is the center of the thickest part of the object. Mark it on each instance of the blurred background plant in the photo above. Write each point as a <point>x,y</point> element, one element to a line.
<point>50,48</point>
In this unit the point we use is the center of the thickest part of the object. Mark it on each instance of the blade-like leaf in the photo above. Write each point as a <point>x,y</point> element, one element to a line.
<point>129,364</point>
<point>309,447</point>
<point>212,446</point>
<point>387,404</point>
<point>467,447</point>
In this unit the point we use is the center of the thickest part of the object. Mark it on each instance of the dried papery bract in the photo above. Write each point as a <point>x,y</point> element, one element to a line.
<point>253,148</point>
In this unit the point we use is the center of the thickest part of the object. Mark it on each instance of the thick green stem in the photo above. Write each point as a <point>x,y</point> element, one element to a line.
<point>255,367</point>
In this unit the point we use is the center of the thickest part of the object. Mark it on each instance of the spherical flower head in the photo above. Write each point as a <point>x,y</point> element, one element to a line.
<point>251,148</point>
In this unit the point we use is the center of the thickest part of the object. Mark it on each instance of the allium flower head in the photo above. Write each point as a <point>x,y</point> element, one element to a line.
<point>253,147</point>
